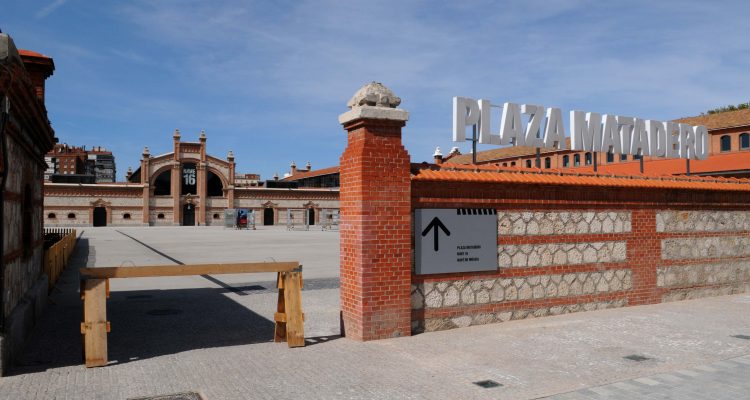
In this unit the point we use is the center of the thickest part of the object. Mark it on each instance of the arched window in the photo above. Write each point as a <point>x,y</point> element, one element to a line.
<point>163,184</point>
<point>623,157</point>
<point>588,159</point>
<point>528,163</point>
<point>610,157</point>
<point>547,162</point>
<point>126,216</point>
<point>505,164</point>
<point>216,216</point>
<point>576,160</point>
<point>214,187</point>
<point>726,143</point>
<point>51,216</point>
<point>744,141</point>
<point>71,216</point>
<point>566,161</point>
<point>513,164</point>
<point>160,216</point>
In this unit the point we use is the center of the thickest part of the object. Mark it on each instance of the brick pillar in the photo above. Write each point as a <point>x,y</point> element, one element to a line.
<point>176,180</point>
<point>230,185</point>
<point>145,167</point>
<point>202,194</point>
<point>375,218</point>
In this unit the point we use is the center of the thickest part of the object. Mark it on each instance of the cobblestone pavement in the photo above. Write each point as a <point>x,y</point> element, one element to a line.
<point>214,336</point>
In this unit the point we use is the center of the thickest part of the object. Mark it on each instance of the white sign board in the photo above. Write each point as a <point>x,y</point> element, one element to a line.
<point>455,240</point>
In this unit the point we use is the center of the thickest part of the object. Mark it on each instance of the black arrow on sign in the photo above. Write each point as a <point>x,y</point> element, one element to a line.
<point>436,223</point>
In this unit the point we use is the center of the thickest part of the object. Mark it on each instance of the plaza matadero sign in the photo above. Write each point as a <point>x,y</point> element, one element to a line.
<point>537,126</point>
<point>455,240</point>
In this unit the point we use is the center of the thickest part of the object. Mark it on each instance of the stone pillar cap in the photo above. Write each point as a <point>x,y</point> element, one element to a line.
<point>374,101</point>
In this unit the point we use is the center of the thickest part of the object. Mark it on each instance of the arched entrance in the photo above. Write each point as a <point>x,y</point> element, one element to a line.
<point>188,215</point>
<point>100,216</point>
<point>311,216</point>
<point>268,216</point>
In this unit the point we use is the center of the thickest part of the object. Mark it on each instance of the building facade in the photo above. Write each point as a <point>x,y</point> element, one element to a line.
<point>184,187</point>
<point>26,135</point>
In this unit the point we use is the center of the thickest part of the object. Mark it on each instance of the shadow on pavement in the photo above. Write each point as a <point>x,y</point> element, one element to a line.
<point>145,324</point>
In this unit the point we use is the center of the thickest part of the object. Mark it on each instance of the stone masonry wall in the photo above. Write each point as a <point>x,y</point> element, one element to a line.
<point>705,247</point>
<point>703,221</point>
<point>716,235</point>
<point>565,272</point>
<point>562,222</point>
<point>459,293</point>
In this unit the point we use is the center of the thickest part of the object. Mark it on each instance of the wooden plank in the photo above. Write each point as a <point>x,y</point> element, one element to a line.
<point>279,331</point>
<point>180,270</point>
<point>95,323</point>
<point>281,317</point>
<point>295,326</point>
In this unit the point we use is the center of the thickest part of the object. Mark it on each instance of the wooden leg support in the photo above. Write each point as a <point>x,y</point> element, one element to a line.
<point>95,326</point>
<point>289,319</point>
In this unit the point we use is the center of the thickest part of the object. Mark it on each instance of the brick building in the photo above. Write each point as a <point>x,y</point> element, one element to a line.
<point>729,141</point>
<point>186,186</point>
<point>73,164</point>
<point>25,135</point>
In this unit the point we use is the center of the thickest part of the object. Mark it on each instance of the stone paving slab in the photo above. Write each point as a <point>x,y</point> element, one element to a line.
<point>728,379</point>
<point>216,339</point>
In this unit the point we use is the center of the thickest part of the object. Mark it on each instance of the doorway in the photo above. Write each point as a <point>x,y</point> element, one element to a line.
<point>310,216</point>
<point>268,216</point>
<point>188,215</point>
<point>100,216</point>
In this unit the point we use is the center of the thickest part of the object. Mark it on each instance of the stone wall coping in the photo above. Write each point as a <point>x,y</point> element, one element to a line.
<point>370,112</point>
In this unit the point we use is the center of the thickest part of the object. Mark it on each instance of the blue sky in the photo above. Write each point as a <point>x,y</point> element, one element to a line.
<point>268,79</point>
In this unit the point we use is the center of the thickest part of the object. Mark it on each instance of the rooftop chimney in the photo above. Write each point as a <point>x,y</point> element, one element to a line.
<point>40,67</point>
<point>438,156</point>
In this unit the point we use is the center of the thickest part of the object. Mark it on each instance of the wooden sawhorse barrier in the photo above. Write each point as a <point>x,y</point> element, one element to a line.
<point>289,319</point>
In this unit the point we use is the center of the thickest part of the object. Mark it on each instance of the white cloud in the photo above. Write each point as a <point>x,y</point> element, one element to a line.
<point>50,8</point>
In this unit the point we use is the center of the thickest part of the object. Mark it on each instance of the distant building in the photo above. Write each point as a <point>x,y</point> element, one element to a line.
<point>73,164</point>
<point>186,186</point>
<point>103,165</point>
<point>322,178</point>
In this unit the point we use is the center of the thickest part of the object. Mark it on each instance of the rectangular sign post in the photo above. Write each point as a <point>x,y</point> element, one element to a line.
<point>455,240</point>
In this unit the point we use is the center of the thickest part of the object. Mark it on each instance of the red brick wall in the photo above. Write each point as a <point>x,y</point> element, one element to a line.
<point>375,231</point>
<point>644,253</point>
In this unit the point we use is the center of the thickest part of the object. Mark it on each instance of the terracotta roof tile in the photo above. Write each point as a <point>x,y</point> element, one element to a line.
<point>30,53</point>
<point>728,119</point>
<point>556,177</point>
<point>501,153</point>
<point>310,174</point>
<point>715,163</point>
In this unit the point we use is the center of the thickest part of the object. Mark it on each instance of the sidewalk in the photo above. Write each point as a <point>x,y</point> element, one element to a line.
<point>217,340</point>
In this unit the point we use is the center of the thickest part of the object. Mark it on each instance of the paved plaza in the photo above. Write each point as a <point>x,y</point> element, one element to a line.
<point>214,335</point>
